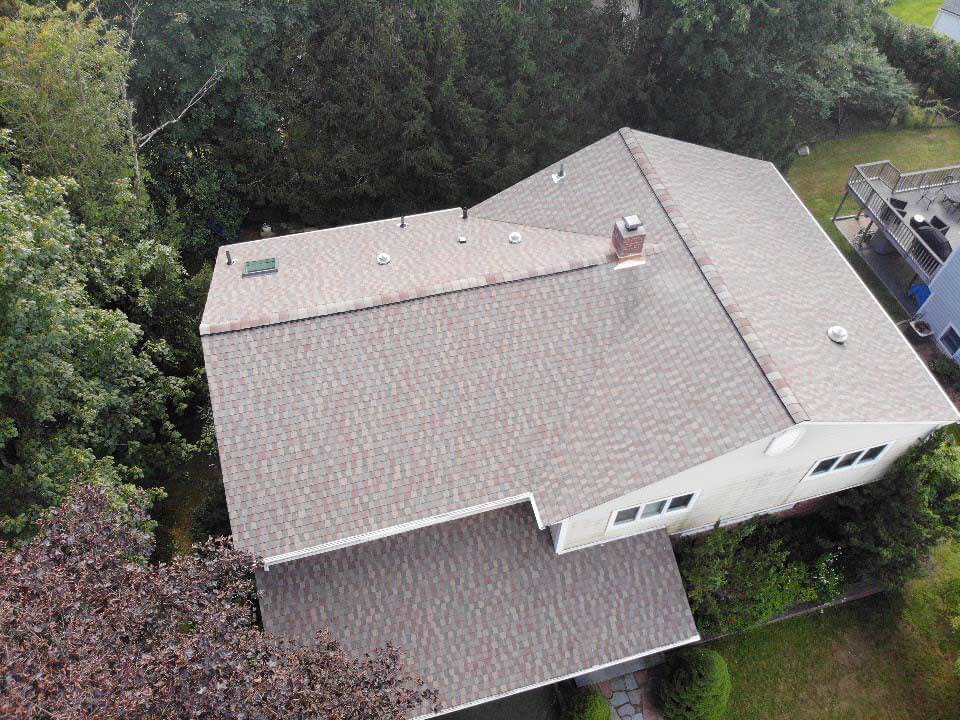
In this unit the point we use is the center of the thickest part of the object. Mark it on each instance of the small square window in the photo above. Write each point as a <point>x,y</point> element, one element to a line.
<point>951,341</point>
<point>653,509</point>
<point>847,460</point>
<point>625,516</point>
<point>872,454</point>
<point>680,502</point>
<point>824,466</point>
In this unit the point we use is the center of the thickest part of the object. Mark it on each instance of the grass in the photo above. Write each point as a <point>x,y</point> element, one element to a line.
<point>819,179</point>
<point>917,12</point>
<point>877,659</point>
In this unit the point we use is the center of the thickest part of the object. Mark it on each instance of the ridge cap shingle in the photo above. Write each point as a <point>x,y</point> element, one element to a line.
<point>711,273</point>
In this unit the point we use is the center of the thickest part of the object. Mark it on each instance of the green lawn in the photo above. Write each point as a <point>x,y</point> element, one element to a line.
<point>871,660</point>
<point>918,12</point>
<point>819,178</point>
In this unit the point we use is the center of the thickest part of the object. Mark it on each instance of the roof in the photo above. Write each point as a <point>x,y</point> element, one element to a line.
<point>565,387</point>
<point>483,606</point>
<point>792,284</point>
<point>353,399</point>
<point>951,6</point>
<point>331,271</point>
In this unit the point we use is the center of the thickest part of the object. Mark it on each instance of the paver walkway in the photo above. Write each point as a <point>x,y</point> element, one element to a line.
<point>631,697</point>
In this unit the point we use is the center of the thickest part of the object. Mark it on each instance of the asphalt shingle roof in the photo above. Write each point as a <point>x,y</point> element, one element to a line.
<point>792,284</point>
<point>483,606</point>
<point>462,375</point>
<point>575,386</point>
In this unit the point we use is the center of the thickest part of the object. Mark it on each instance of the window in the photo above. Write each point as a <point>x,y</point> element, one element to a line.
<point>653,509</point>
<point>625,516</point>
<point>841,462</point>
<point>951,340</point>
<point>656,508</point>
<point>824,466</point>
<point>871,454</point>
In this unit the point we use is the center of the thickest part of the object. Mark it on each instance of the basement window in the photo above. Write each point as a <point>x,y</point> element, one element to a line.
<point>652,509</point>
<point>260,267</point>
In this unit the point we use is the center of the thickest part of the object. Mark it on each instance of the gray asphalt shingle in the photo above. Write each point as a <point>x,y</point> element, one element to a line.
<point>483,606</point>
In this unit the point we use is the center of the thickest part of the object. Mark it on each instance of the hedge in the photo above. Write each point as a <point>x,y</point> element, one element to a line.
<point>927,58</point>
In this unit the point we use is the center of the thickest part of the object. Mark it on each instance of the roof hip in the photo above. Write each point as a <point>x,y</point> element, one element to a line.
<point>711,273</point>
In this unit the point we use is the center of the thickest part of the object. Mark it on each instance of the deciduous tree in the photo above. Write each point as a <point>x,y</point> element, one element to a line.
<point>89,629</point>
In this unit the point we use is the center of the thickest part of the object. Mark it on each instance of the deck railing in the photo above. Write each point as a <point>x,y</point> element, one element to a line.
<point>896,229</point>
<point>888,173</point>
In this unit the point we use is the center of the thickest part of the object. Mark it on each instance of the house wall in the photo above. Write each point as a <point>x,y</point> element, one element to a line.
<point>747,481</point>
<point>948,24</point>
<point>942,308</point>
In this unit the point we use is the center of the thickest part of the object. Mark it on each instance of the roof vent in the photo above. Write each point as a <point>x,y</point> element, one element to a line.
<point>559,175</point>
<point>260,267</point>
<point>383,259</point>
<point>628,237</point>
<point>838,334</point>
<point>462,239</point>
<point>515,238</point>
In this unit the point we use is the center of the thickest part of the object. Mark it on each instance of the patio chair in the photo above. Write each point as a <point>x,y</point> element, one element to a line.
<point>898,204</point>
<point>939,224</point>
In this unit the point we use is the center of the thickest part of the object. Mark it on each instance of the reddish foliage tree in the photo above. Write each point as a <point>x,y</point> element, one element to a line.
<point>89,629</point>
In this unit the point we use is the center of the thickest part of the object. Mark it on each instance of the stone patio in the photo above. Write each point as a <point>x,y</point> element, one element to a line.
<point>630,696</point>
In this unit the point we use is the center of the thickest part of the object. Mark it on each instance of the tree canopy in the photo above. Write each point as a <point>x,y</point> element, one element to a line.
<point>88,628</point>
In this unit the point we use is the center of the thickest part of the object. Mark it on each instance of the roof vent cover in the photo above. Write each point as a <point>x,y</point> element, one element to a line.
<point>260,267</point>
<point>631,222</point>
<point>838,334</point>
<point>515,238</point>
<point>383,259</point>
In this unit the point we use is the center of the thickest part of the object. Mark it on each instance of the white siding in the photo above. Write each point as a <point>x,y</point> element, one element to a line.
<point>942,308</point>
<point>948,24</point>
<point>746,482</point>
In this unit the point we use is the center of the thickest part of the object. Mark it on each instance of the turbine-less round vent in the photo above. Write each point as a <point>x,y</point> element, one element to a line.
<point>838,334</point>
<point>515,238</point>
<point>383,259</point>
<point>462,239</point>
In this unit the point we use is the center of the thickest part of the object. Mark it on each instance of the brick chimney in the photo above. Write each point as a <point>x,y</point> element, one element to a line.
<point>628,237</point>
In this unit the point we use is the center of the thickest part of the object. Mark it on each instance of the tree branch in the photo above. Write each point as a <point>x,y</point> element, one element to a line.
<point>197,97</point>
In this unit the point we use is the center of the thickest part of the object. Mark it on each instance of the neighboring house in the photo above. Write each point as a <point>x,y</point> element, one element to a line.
<point>471,434</point>
<point>948,19</point>
<point>909,242</point>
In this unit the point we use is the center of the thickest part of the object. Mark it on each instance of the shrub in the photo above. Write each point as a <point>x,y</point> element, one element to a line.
<point>589,705</point>
<point>929,59</point>
<point>695,686</point>
<point>887,528</point>
<point>743,576</point>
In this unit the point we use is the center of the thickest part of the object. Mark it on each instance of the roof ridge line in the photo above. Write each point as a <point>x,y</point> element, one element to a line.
<point>390,298</point>
<point>488,218</point>
<point>711,273</point>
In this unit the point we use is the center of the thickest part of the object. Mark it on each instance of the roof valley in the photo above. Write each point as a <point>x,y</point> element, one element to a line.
<point>711,274</point>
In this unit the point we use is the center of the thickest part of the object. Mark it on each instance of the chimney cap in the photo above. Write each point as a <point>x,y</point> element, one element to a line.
<point>631,222</point>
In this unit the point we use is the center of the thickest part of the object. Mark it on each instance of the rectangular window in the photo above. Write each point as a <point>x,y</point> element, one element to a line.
<point>824,466</point>
<point>951,340</point>
<point>625,516</point>
<point>871,454</point>
<point>655,508</point>
<point>260,267</point>
<point>848,460</point>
